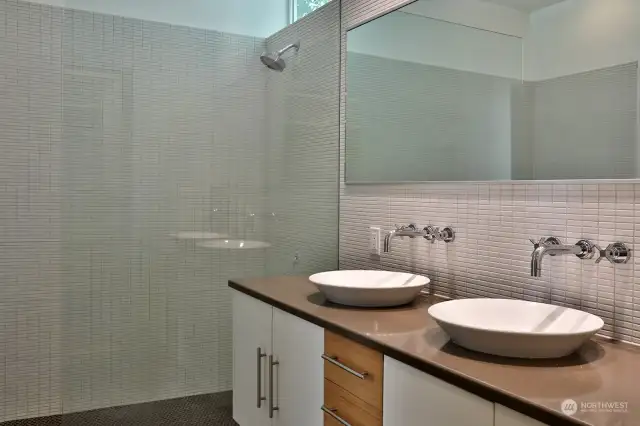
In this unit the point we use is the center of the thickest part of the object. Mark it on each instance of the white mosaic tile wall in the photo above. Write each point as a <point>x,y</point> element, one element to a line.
<point>116,133</point>
<point>494,222</point>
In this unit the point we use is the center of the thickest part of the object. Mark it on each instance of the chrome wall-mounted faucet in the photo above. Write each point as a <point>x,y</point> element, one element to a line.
<point>410,231</point>
<point>584,249</point>
<point>429,233</point>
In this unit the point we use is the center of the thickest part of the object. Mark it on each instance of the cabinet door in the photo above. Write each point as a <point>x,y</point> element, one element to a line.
<point>251,332</point>
<point>508,417</point>
<point>413,398</point>
<point>299,376</point>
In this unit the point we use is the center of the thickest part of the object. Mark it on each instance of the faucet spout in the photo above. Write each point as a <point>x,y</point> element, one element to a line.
<point>536,260</point>
<point>410,231</point>
<point>387,240</point>
<point>552,246</point>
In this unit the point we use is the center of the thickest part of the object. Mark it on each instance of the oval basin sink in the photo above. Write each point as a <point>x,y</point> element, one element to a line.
<point>234,244</point>
<point>369,289</point>
<point>515,328</point>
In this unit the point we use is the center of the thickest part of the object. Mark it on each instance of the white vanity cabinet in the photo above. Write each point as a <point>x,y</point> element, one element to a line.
<point>413,398</point>
<point>276,363</point>
<point>252,323</point>
<point>508,417</point>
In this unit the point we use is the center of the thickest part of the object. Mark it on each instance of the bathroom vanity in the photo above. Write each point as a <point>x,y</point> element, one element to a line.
<point>299,360</point>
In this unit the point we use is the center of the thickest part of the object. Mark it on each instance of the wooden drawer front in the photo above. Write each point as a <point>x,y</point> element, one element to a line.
<point>360,359</point>
<point>330,421</point>
<point>351,409</point>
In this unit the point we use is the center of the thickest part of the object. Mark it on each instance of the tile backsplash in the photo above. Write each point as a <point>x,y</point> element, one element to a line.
<point>494,221</point>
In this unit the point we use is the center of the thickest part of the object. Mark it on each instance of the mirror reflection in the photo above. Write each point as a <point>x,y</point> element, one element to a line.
<point>473,90</point>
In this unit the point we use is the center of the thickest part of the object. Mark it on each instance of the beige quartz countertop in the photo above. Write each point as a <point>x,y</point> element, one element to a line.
<point>600,372</point>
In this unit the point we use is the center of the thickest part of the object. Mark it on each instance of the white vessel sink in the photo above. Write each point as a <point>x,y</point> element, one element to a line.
<point>234,244</point>
<point>515,328</point>
<point>371,289</point>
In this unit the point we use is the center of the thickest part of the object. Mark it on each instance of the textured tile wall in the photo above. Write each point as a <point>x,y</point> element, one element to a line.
<point>303,155</point>
<point>494,222</point>
<point>116,133</point>
<point>31,270</point>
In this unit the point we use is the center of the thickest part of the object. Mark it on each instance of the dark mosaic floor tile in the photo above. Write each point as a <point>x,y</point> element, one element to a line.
<point>200,410</point>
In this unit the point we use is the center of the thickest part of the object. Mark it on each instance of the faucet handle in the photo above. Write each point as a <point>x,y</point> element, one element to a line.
<point>545,241</point>
<point>431,233</point>
<point>616,253</point>
<point>535,243</point>
<point>602,254</point>
<point>409,227</point>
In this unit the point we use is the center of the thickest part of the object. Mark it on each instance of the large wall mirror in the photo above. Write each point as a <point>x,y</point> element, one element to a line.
<point>486,90</point>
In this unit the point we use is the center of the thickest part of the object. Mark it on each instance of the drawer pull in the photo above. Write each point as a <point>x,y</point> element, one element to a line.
<point>332,412</point>
<point>334,360</point>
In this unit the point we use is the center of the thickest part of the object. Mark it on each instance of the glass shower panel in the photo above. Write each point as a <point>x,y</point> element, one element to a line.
<point>145,164</point>
<point>303,156</point>
<point>162,187</point>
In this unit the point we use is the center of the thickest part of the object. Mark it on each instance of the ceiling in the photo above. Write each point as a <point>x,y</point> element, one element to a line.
<point>525,5</point>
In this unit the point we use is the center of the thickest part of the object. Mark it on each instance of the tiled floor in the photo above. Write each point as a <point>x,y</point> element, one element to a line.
<point>201,410</point>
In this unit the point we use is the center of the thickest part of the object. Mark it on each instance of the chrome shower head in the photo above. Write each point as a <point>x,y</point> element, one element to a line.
<point>274,60</point>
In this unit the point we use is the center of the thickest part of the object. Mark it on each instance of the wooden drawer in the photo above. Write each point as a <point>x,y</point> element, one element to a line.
<point>351,409</point>
<point>330,421</point>
<point>359,359</point>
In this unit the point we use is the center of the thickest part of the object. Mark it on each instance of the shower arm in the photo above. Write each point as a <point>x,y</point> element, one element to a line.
<point>287,48</point>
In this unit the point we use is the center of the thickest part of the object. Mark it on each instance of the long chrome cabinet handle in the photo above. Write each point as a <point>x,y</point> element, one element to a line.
<point>334,360</point>
<point>332,413</point>
<point>261,398</point>
<point>272,408</point>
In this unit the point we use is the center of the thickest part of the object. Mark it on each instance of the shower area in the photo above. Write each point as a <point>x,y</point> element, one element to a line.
<point>144,163</point>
